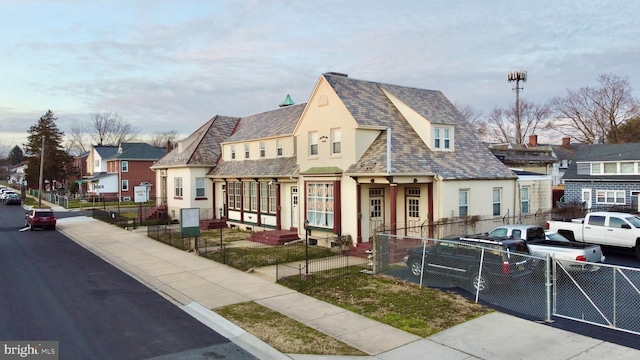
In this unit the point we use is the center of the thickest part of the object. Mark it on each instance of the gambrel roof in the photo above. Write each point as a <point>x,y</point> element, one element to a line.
<point>368,104</point>
<point>202,147</point>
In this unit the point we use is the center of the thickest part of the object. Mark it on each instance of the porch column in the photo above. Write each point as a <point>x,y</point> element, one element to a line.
<point>359,211</point>
<point>393,207</point>
<point>278,209</point>
<point>430,208</point>
<point>259,208</point>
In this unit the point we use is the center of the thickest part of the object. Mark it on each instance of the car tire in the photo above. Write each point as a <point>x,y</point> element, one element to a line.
<point>415,267</point>
<point>30,227</point>
<point>479,282</point>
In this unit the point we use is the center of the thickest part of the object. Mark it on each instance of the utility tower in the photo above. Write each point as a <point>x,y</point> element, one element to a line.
<point>517,76</point>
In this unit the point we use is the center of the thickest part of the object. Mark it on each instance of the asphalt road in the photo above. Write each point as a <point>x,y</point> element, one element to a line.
<point>52,289</point>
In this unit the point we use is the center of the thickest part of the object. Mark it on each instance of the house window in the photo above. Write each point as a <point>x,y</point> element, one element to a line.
<point>610,197</point>
<point>279,147</point>
<point>463,202</point>
<point>524,199</point>
<point>272,198</point>
<point>497,198</point>
<point>233,152</point>
<point>263,151</point>
<point>124,166</point>
<point>246,196</point>
<point>178,187</point>
<point>267,198</point>
<point>442,138</point>
<point>627,168</point>
<point>253,186</point>
<point>313,144</point>
<point>336,141</point>
<point>96,164</point>
<point>596,168</point>
<point>246,151</point>
<point>125,185</point>
<point>320,204</point>
<point>200,189</point>
<point>610,168</point>
<point>231,195</point>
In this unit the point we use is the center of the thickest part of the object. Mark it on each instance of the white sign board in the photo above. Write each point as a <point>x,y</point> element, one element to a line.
<point>140,194</point>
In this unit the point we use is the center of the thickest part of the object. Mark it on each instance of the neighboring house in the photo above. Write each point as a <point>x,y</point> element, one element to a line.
<point>531,156</point>
<point>77,172</point>
<point>181,173</point>
<point>564,154</point>
<point>603,176</point>
<point>358,156</point>
<point>114,171</point>
<point>97,179</point>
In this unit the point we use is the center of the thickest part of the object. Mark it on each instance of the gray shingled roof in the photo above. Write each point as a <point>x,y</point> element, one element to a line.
<point>105,151</point>
<point>369,106</point>
<point>202,147</point>
<point>603,152</point>
<point>278,122</point>
<point>138,151</point>
<point>278,167</point>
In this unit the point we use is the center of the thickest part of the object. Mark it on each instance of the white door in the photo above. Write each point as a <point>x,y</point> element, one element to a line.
<point>586,198</point>
<point>376,210</point>
<point>294,207</point>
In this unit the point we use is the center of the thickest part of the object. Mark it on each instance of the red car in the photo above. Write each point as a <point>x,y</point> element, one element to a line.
<point>40,218</point>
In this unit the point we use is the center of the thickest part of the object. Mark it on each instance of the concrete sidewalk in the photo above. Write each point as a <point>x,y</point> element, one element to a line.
<point>198,285</point>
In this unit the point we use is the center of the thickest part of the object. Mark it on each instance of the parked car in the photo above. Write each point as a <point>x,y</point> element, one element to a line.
<point>13,199</point>
<point>602,227</point>
<point>560,248</point>
<point>40,218</point>
<point>460,259</point>
<point>5,193</point>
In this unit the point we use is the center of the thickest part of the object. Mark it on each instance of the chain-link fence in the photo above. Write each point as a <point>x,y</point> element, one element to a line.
<point>607,297</point>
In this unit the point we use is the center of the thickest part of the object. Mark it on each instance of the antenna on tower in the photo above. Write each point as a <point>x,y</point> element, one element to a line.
<point>517,76</point>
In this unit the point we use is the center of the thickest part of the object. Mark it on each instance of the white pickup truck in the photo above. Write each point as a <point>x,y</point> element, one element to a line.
<point>604,228</point>
<point>541,246</point>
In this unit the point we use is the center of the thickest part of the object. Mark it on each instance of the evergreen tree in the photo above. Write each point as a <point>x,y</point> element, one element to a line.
<point>55,157</point>
<point>15,155</point>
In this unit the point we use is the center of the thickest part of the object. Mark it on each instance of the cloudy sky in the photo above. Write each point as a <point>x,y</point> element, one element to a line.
<point>172,65</point>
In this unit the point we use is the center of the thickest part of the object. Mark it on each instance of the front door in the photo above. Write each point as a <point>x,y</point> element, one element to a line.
<point>294,207</point>
<point>376,209</point>
<point>412,203</point>
<point>586,198</point>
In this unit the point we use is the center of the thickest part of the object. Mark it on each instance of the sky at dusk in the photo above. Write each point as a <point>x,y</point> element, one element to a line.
<point>172,65</point>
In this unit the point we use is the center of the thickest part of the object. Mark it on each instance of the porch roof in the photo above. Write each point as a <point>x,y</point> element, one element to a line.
<point>278,167</point>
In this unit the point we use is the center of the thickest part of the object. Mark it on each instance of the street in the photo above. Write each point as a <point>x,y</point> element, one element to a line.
<point>52,289</point>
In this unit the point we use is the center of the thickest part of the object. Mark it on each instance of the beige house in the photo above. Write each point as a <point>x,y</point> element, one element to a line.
<point>358,156</point>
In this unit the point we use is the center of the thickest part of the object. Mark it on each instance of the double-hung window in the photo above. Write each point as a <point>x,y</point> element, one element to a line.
<point>336,141</point>
<point>497,201</point>
<point>524,199</point>
<point>124,166</point>
<point>313,144</point>
<point>177,187</point>
<point>200,189</point>
<point>463,202</point>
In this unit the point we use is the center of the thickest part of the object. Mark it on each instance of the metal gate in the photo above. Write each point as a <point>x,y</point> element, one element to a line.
<point>606,297</point>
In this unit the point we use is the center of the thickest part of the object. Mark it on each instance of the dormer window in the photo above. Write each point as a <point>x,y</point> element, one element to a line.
<point>442,138</point>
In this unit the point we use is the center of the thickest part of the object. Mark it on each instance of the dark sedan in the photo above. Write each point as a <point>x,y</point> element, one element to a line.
<point>12,199</point>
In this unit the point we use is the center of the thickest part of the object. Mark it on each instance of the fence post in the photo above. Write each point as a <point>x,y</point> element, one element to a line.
<point>547,277</point>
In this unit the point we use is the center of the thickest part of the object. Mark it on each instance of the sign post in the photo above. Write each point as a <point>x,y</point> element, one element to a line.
<point>140,196</point>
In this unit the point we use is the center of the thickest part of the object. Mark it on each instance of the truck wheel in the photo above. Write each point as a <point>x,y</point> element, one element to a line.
<point>415,266</point>
<point>479,282</point>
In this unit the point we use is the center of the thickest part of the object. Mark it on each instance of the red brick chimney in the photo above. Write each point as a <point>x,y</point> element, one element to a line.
<point>566,142</point>
<point>169,146</point>
<point>533,140</point>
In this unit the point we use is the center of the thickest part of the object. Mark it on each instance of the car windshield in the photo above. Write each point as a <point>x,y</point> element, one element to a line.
<point>634,220</point>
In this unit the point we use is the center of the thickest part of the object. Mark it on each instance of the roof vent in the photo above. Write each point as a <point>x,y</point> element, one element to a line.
<point>336,74</point>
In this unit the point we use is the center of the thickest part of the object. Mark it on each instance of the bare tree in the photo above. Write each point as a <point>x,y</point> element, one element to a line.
<point>589,114</point>
<point>77,139</point>
<point>474,117</point>
<point>160,139</point>
<point>503,126</point>
<point>109,128</point>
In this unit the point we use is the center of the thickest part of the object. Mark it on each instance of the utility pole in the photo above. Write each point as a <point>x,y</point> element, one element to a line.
<point>517,76</point>
<point>41,174</point>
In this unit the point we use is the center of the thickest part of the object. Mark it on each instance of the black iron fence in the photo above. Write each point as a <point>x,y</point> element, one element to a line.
<point>115,218</point>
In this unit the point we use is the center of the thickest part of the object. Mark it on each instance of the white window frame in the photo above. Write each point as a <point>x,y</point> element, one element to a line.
<point>177,187</point>
<point>496,201</point>
<point>233,152</point>
<point>247,151</point>
<point>201,189</point>
<point>279,151</point>
<point>124,166</point>
<point>320,205</point>
<point>525,199</point>
<point>313,144</point>
<point>611,197</point>
<point>336,141</point>
<point>125,185</point>
<point>443,138</point>
<point>463,202</point>
<point>263,149</point>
